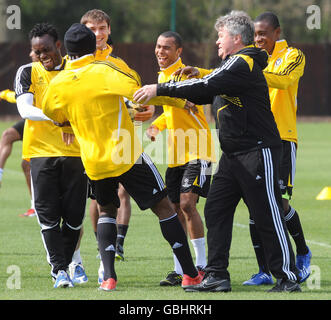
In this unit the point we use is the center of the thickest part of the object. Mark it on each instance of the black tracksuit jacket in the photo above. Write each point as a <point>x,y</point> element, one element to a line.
<point>245,120</point>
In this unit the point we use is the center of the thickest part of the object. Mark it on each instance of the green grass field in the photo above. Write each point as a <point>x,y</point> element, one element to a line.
<point>148,256</point>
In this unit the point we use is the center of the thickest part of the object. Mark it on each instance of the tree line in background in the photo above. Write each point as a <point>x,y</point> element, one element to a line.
<point>143,20</point>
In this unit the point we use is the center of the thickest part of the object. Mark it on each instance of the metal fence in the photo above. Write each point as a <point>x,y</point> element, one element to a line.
<point>314,87</point>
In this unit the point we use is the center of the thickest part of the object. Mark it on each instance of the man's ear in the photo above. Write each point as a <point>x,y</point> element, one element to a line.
<point>278,31</point>
<point>237,39</point>
<point>179,51</point>
<point>58,44</point>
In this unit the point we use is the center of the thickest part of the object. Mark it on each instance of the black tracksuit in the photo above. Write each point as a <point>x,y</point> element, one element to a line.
<point>249,165</point>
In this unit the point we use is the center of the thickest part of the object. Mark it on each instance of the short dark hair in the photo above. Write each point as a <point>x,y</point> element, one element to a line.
<point>95,15</point>
<point>40,29</point>
<point>270,18</point>
<point>175,35</point>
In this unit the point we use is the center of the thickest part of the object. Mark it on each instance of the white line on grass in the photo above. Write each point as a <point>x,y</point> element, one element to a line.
<point>321,244</point>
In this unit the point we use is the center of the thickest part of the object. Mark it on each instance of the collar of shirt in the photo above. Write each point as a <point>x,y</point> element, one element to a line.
<point>80,62</point>
<point>280,45</point>
<point>102,54</point>
<point>173,67</point>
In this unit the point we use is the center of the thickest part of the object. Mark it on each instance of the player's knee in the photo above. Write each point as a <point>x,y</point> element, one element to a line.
<point>188,205</point>
<point>163,209</point>
<point>123,194</point>
<point>108,210</point>
<point>9,136</point>
<point>25,166</point>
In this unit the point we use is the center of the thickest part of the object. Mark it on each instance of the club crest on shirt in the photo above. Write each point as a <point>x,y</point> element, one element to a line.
<point>278,62</point>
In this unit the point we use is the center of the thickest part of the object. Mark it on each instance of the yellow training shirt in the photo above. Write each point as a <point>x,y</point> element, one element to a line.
<point>189,134</point>
<point>8,95</point>
<point>89,93</point>
<point>41,138</point>
<point>284,70</point>
<point>106,55</point>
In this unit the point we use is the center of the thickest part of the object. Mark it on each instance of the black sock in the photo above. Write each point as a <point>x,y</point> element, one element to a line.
<point>258,248</point>
<point>122,229</point>
<point>294,227</point>
<point>107,231</point>
<point>173,232</point>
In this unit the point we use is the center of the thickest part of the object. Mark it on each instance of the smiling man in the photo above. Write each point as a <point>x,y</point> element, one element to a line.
<point>251,145</point>
<point>59,184</point>
<point>285,68</point>
<point>190,152</point>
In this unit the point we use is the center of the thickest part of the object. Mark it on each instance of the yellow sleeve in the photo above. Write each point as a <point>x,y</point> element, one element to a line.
<point>53,109</point>
<point>126,86</point>
<point>204,72</point>
<point>8,95</point>
<point>160,122</point>
<point>290,73</point>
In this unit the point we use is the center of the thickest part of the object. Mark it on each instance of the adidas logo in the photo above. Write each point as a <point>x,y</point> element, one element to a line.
<point>177,245</point>
<point>155,191</point>
<point>110,248</point>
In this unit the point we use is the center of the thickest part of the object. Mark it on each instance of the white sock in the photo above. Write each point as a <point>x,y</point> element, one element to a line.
<point>1,172</point>
<point>32,204</point>
<point>200,252</point>
<point>178,267</point>
<point>76,258</point>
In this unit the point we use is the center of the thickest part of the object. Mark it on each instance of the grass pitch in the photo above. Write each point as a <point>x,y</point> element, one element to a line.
<point>25,274</point>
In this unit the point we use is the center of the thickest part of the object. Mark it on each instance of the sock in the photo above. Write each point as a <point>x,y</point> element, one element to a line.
<point>106,233</point>
<point>76,258</point>
<point>122,229</point>
<point>258,248</point>
<point>200,252</point>
<point>178,268</point>
<point>32,204</point>
<point>1,172</point>
<point>174,233</point>
<point>294,227</point>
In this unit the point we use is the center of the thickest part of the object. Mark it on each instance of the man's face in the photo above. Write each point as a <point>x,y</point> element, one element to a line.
<point>166,51</point>
<point>33,56</point>
<point>226,43</point>
<point>266,36</point>
<point>47,51</point>
<point>101,31</point>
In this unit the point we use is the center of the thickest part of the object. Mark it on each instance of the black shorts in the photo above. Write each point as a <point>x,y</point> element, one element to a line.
<point>287,168</point>
<point>19,127</point>
<point>143,182</point>
<point>194,177</point>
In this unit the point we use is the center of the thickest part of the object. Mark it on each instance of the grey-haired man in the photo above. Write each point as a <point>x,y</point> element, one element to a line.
<point>251,145</point>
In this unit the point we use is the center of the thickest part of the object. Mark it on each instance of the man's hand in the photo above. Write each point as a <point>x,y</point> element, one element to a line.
<point>189,71</point>
<point>68,138</point>
<point>191,107</point>
<point>146,93</point>
<point>146,114</point>
<point>152,132</point>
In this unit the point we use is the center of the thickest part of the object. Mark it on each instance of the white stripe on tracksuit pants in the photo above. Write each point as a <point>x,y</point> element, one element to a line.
<point>279,226</point>
<point>253,177</point>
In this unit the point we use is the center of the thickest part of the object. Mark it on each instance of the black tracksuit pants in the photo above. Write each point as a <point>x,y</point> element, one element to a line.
<point>252,176</point>
<point>59,194</point>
